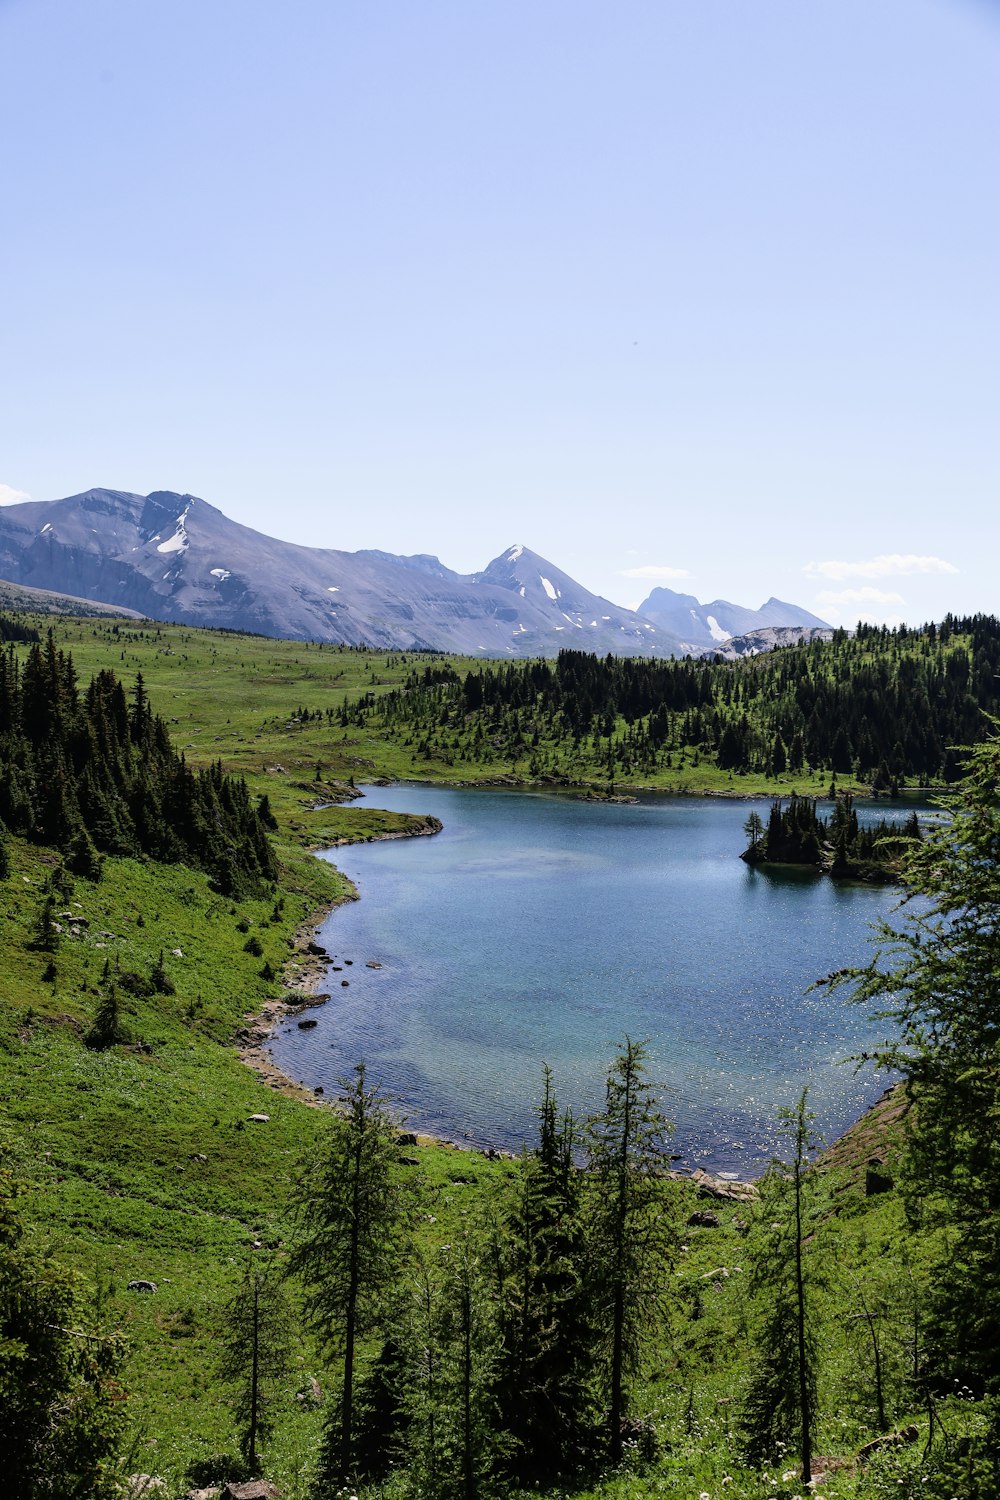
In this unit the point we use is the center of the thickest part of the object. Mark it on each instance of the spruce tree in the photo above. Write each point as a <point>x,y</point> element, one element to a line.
<point>352,1221</point>
<point>936,977</point>
<point>779,1407</point>
<point>256,1339</point>
<point>107,1028</point>
<point>456,1441</point>
<point>546,1365</point>
<point>631,1229</point>
<point>46,937</point>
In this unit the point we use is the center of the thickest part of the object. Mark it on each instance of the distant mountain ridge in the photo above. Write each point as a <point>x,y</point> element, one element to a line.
<point>704,627</point>
<point>175,557</point>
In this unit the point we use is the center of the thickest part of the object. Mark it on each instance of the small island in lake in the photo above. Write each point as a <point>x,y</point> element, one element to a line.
<point>839,845</point>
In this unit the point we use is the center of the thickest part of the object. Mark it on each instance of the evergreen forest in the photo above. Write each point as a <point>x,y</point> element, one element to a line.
<point>94,773</point>
<point>840,844</point>
<point>879,708</point>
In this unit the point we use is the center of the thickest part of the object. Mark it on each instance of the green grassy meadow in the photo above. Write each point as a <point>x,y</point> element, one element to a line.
<point>141,1162</point>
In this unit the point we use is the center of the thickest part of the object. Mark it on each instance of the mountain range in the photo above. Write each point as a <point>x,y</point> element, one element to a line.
<point>176,558</point>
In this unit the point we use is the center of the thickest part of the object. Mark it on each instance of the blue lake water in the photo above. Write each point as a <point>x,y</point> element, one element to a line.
<point>540,928</point>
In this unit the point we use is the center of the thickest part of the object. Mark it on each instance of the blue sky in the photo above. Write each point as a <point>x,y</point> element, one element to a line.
<point>697,292</point>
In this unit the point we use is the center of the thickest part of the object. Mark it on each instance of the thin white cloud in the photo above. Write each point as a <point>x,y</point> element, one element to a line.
<point>889,620</point>
<point>888,565</point>
<point>836,614</point>
<point>866,595</point>
<point>652,570</point>
<point>10,496</point>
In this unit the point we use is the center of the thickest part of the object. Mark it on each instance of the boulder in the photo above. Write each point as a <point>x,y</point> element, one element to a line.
<point>723,1188</point>
<point>142,1286</point>
<point>703,1218</point>
<point>253,1489</point>
<point>137,1486</point>
<point>373,963</point>
<point>406,1138</point>
<point>260,1119</point>
<point>308,1024</point>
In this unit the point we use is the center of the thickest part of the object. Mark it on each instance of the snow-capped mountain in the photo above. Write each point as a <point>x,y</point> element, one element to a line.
<point>175,557</point>
<point>704,627</point>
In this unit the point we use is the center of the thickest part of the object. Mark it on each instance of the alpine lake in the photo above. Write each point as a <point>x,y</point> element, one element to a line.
<point>540,928</point>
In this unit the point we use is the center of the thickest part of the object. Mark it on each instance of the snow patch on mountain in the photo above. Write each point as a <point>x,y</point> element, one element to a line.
<point>179,541</point>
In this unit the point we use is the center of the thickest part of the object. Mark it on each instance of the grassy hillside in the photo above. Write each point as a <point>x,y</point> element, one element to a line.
<point>142,1161</point>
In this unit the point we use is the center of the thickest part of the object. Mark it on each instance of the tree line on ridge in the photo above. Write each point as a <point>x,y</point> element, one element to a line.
<point>884,706</point>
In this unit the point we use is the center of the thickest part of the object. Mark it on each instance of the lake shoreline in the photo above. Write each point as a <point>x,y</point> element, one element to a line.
<point>311,972</point>
<point>310,964</point>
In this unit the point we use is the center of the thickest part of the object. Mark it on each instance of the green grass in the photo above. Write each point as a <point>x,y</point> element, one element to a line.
<point>236,697</point>
<point>109,1143</point>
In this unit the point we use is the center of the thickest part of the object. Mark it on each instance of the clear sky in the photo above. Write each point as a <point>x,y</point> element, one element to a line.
<point>700,292</point>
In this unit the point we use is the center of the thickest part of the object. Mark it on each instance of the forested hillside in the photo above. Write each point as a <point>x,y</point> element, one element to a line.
<point>92,773</point>
<point>882,707</point>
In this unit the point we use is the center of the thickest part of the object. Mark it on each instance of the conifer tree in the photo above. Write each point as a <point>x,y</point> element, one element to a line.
<point>546,1365</point>
<point>457,1443</point>
<point>780,1404</point>
<point>256,1344</point>
<point>107,1028</point>
<point>632,1238</point>
<point>937,978</point>
<point>352,1217</point>
<point>46,937</point>
<point>160,979</point>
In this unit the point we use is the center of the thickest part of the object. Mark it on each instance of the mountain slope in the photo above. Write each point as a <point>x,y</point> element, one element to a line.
<point>174,557</point>
<point>705,626</point>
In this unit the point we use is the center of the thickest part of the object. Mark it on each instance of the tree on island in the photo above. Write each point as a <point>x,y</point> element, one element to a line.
<point>754,830</point>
